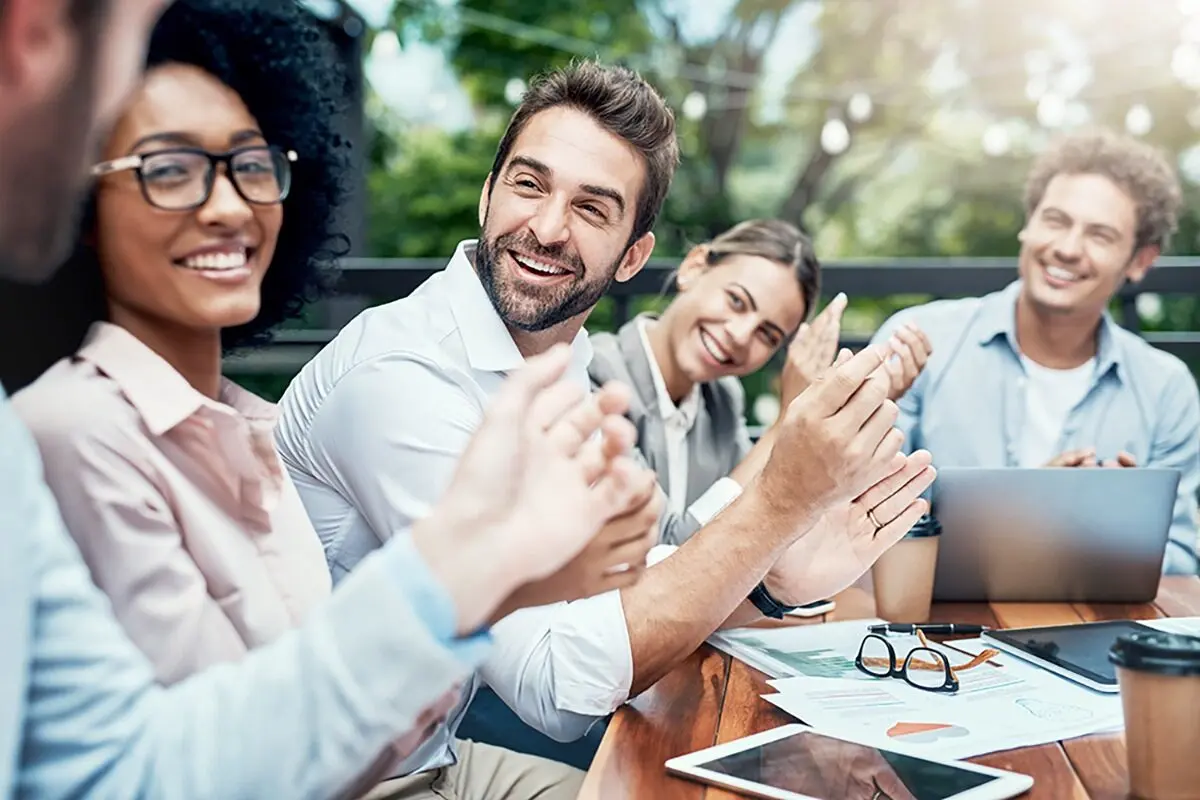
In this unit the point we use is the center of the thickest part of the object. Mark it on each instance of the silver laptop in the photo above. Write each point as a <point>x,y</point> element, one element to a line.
<point>1052,534</point>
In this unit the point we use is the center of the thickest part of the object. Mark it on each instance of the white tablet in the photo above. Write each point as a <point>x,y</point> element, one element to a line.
<point>794,762</point>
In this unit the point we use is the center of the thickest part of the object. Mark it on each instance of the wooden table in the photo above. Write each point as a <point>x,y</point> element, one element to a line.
<point>712,698</point>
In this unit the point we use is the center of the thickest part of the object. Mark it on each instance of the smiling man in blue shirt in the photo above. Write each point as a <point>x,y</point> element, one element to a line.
<point>1039,373</point>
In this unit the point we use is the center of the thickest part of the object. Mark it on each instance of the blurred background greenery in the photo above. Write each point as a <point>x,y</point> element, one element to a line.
<point>885,128</point>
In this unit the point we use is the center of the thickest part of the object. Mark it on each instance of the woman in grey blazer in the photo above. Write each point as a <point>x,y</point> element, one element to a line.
<point>742,296</point>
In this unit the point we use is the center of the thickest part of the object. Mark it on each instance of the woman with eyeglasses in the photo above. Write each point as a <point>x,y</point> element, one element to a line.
<point>211,221</point>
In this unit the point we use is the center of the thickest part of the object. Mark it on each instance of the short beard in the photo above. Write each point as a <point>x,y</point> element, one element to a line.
<point>549,307</point>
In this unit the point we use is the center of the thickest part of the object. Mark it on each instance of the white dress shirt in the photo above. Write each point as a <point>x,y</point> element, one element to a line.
<point>678,420</point>
<point>371,430</point>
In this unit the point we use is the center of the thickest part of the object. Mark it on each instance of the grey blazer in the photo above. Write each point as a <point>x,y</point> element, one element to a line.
<point>717,442</point>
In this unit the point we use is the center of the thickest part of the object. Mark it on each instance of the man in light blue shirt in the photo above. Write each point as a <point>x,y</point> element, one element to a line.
<point>314,713</point>
<point>1039,373</point>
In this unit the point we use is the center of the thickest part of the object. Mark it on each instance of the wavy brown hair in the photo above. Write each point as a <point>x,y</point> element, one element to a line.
<point>1142,172</point>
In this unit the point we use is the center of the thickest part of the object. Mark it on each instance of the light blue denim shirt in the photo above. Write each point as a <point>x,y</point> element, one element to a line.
<point>81,716</point>
<point>968,406</point>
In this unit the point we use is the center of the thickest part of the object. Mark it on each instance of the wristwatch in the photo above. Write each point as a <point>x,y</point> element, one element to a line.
<point>768,605</point>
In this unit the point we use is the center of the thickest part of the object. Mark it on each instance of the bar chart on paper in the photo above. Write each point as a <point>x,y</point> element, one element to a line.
<point>809,651</point>
<point>823,663</point>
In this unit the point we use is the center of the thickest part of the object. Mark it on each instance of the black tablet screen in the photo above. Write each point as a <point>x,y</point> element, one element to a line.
<point>833,769</point>
<point>1080,648</point>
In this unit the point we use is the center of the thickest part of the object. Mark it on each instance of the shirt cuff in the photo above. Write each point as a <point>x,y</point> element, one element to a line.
<point>593,660</point>
<point>715,500</point>
<point>431,603</point>
<point>658,553</point>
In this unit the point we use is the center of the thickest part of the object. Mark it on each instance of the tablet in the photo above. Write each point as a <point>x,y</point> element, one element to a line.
<point>1077,652</point>
<point>794,762</point>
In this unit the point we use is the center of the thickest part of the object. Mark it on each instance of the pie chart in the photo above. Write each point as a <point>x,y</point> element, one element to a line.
<point>925,732</point>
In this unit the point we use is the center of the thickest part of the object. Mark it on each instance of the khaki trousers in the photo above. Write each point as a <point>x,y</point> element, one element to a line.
<point>484,772</point>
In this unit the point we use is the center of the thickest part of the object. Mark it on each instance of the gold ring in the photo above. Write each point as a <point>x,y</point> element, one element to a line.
<point>871,516</point>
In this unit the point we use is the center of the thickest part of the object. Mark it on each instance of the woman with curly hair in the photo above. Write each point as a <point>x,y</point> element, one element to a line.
<point>211,221</point>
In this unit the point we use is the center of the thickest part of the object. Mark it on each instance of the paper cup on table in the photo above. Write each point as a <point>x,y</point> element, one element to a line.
<point>903,576</point>
<point>1159,676</point>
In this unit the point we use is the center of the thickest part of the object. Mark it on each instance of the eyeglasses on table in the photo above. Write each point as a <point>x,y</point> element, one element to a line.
<point>923,667</point>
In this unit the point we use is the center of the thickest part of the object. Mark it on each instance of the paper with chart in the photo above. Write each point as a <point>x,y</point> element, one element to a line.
<point>1011,705</point>
<point>996,708</point>
<point>822,651</point>
<point>817,651</point>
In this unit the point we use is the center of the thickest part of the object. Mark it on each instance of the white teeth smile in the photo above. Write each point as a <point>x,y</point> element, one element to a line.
<point>714,348</point>
<point>1060,274</point>
<point>539,267</point>
<point>216,261</point>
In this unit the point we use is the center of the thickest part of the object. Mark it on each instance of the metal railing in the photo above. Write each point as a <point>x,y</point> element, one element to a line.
<point>365,280</point>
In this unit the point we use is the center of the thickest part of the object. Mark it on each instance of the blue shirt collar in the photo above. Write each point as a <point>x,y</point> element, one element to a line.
<point>998,317</point>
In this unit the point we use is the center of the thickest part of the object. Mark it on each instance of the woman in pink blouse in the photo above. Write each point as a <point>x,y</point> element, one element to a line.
<point>212,221</point>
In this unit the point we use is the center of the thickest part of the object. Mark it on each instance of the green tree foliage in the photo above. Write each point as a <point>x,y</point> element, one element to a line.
<point>494,41</point>
<point>424,191</point>
<point>914,180</point>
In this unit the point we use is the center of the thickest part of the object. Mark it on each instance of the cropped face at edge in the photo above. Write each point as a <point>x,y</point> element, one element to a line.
<point>63,87</point>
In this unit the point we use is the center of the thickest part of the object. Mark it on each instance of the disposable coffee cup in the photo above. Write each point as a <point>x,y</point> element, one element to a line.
<point>903,576</point>
<point>1159,677</point>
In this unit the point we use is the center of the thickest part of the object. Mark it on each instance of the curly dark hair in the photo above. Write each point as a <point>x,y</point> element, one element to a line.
<point>280,61</point>
<point>1138,168</point>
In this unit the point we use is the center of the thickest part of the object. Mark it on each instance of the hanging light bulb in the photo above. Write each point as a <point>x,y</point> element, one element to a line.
<point>514,90</point>
<point>386,45</point>
<point>835,137</point>
<point>695,106</point>
<point>1139,121</point>
<point>996,140</point>
<point>1185,65</point>
<point>860,106</point>
<point>1051,110</point>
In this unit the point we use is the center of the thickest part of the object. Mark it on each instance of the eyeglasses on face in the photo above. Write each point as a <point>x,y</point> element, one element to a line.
<point>923,667</point>
<point>182,178</point>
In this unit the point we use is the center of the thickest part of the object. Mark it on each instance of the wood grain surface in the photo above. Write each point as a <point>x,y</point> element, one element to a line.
<point>712,698</point>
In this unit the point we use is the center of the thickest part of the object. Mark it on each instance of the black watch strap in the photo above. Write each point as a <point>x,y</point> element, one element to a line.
<point>768,605</point>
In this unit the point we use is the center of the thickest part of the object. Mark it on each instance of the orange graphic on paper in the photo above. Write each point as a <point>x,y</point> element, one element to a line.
<point>907,728</point>
<point>926,732</point>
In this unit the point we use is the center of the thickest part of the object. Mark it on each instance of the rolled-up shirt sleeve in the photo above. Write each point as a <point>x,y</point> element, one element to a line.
<point>563,666</point>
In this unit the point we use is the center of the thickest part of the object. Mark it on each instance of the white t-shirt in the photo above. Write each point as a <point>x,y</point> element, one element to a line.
<point>1050,394</point>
